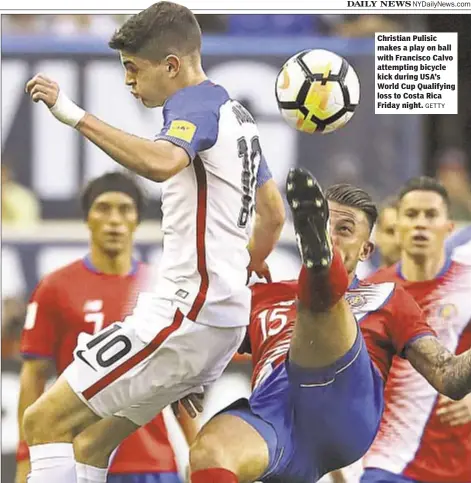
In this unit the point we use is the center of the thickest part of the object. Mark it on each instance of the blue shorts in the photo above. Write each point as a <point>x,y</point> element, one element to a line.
<point>315,421</point>
<point>144,478</point>
<point>375,475</point>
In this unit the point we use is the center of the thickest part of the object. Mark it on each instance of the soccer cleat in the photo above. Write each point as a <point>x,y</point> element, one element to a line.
<point>311,219</point>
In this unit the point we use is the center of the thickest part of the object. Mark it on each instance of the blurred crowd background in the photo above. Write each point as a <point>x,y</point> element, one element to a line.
<point>104,25</point>
<point>44,164</point>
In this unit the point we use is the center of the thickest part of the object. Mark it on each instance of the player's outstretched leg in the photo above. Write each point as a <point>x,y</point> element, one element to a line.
<point>50,425</point>
<point>325,329</point>
<point>228,450</point>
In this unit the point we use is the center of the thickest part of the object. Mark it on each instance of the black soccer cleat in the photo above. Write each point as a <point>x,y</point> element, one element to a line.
<point>311,219</point>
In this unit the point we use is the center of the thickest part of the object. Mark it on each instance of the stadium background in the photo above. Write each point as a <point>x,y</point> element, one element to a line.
<point>244,53</point>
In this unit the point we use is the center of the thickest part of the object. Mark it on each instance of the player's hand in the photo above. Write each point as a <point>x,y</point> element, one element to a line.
<point>41,88</point>
<point>193,404</point>
<point>261,269</point>
<point>454,413</point>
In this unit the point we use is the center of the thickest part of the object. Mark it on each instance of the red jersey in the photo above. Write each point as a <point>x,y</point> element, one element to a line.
<point>388,317</point>
<point>412,441</point>
<point>75,299</point>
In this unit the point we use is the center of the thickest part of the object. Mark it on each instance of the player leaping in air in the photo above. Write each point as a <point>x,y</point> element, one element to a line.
<point>319,408</point>
<point>185,330</point>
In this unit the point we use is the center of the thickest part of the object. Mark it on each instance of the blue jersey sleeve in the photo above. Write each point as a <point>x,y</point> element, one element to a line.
<point>191,117</point>
<point>264,173</point>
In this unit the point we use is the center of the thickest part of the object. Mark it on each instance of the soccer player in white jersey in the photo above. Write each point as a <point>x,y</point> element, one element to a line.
<point>183,332</point>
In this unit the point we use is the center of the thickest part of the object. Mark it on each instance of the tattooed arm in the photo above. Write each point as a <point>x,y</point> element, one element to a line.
<point>447,373</point>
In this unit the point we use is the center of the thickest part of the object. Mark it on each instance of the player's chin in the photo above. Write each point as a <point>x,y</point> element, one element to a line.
<point>419,250</point>
<point>151,104</point>
<point>114,248</point>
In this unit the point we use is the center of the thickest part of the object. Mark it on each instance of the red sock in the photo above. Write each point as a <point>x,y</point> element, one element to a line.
<point>213,475</point>
<point>322,290</point>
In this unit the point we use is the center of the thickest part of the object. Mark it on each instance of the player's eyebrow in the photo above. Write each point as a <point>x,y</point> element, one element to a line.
<point>102,204</point>
<point>129,63</point>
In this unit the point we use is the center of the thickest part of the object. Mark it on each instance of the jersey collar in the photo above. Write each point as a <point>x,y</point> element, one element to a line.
<point>87,261</point>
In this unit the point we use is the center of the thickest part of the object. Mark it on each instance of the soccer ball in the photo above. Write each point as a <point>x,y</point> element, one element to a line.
<point>317,91</point>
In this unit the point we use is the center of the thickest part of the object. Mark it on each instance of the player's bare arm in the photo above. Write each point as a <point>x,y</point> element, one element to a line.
<point>34,374</point>
<point>157,161</point>
<point>449,374</point>
<point>269,220</point>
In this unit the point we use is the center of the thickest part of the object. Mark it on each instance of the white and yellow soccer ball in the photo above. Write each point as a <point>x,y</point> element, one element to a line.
<point>317,91</point>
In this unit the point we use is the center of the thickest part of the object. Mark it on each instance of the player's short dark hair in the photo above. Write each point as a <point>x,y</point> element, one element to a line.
<point>425,183</point>
<point>162,29</point>
<point>113,181</point>
<point>354,197</point>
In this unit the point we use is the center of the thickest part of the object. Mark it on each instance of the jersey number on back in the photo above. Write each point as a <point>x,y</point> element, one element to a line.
<point>249,176</point>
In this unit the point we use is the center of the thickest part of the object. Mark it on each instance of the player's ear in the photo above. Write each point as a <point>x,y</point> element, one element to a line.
<point>367,250</point>
<point>172,65</point>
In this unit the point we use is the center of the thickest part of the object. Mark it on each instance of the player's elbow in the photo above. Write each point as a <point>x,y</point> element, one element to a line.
<point>455,384</point>
<point>454,391</point>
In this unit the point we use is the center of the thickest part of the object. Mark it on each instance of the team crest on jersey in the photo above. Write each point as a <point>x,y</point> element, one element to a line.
<point>368,298</point>
<point>183,130</point>
<point>355,301</point>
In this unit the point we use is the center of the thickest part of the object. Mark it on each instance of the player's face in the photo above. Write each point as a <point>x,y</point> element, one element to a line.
<point>150,82</point>
<point>112,220</point>
<point>386,236</point>
<point>350,233</point>
<point>423,223</point>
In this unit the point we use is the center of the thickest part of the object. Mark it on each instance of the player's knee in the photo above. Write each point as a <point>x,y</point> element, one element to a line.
<point>39,423</point>
<point>208,452</point>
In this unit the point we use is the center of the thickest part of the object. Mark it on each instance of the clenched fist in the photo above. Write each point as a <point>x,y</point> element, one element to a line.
<point>41,88</point>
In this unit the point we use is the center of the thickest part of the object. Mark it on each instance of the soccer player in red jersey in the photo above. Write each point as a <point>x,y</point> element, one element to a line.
<point>82,298</point>
<point>318,380</point>
<point>423,436</point>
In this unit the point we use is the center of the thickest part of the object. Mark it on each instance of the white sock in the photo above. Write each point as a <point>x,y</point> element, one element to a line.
<point>91,474</point>
<point>52,463</point>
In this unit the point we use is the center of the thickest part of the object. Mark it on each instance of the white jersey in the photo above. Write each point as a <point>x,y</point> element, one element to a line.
<point>207,207</point>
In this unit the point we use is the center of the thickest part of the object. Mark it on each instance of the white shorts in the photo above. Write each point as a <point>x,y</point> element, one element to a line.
<point>156,356</point>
